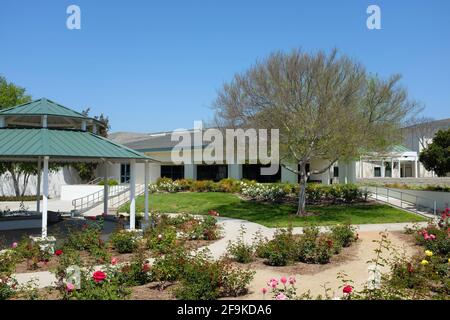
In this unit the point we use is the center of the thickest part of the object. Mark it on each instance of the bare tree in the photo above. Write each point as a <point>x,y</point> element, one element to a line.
<point>325,106</point>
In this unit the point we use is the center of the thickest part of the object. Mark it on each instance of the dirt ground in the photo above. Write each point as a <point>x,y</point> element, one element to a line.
<point>352,261</point>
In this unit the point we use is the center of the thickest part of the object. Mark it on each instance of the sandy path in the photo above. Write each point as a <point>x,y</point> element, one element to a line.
<point>355,266</point>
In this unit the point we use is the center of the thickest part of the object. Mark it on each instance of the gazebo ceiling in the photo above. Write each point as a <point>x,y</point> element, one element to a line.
<point>62,145</point>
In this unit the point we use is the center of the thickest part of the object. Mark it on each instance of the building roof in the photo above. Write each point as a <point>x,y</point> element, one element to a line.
<point>43,106</point>
<point>399,149</point>
<point>154,142</point>
<point>61,145</point>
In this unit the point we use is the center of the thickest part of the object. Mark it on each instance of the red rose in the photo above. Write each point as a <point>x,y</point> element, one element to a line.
<point>347,289</point>
<point>410,268</point>
<point>99,276</point>
<point>145,267</point>
<point>59,252</point>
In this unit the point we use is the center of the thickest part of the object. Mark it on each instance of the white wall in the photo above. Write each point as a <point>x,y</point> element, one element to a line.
<point>64,176</point>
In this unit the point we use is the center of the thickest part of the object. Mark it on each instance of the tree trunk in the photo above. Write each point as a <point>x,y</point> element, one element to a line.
<point>302,193</point>
<point>26,177</point>
<point>15,179</point>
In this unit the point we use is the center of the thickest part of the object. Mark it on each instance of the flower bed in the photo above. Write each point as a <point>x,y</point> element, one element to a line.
<point>271,192</point>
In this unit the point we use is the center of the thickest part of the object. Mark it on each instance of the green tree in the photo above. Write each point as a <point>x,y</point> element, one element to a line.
<point>325,106</point>
<point>436,156</point>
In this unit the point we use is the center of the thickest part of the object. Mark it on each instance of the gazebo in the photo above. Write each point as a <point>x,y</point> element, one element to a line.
<point>43,131</point>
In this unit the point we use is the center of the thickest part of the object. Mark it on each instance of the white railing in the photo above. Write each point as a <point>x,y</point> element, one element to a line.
<point>401,199</point>
<point>117,196</point>
<point>122,198</point>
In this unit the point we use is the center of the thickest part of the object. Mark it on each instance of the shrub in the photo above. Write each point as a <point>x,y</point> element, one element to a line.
<point>170,266</point>
<point>8,259</point>
<point>111,182</point>
<point>239,250</point>
<point>278,251</point>
<point>205,229</point>
<point>138,271</point>
<point>89,239</point>
<point>31,252</point>
<point>343,235</point>
<point>204,279</point>
<point>263,192</point>
<point>124,241</point>
<point>313,247</point>
<point>167,184</point>
<point>107,284</point>
<point>204,186</point>
<point>161,239</point>
<point>229,185</point>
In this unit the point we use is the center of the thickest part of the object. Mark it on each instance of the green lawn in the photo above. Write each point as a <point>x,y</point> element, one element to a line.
<point>272,215</point>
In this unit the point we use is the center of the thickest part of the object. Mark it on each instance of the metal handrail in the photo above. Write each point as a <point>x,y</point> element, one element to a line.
<point>402,199</point>
<point>123,197</point>
<point>92,200</point>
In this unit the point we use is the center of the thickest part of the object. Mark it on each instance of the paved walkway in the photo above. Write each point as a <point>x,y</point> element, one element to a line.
<point>230,231</point>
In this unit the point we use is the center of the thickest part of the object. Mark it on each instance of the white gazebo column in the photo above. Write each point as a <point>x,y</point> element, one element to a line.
<point>45,198</point>
<point>383,169</point>
<point>415,168</point>
<point>105,189</point>
<point>132,194</point>
<point>392,167</point>
<point>146,173</point>
<point>38,187</point>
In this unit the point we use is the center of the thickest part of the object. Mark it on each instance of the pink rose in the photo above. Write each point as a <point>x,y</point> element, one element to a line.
<point>264,290</point>
<point>114,261</point>
<point>14,245</point>
<point>283,280</point>
<point>432,236</point>
<point>70,287</point>
<point>281,296</point>
<point>292,280</point>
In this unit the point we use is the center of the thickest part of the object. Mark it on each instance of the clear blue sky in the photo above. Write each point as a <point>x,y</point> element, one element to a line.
<point>157,65</point>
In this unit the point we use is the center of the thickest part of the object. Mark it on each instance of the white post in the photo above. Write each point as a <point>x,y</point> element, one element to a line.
<point>45,199</point>
<point>44,121</point>
<point>38,187</point>
<point>94,128</point>
<point>2,122</point>
<point>415,169</point>
<point>383,169</point>
<point>105,189</point>
<point>83,125</point>
<point>399,168</point>
<point>146,190</point>
<point>132,194</point>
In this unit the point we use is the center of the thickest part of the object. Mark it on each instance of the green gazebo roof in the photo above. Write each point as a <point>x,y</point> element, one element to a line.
<point>61,145</point>
<point>42,107</point>
<point>25,143</point>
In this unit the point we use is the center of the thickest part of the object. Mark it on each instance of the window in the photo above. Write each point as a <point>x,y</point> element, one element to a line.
<point>253,172</point>
<point>172,172</point>
<point>212,172</point>
<point>377,172</point>
<point>124,173</point>
<point>335,172</point>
